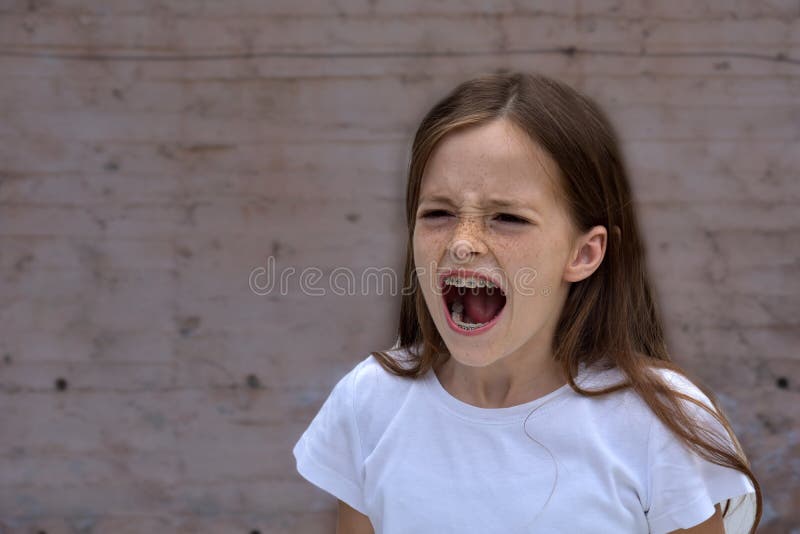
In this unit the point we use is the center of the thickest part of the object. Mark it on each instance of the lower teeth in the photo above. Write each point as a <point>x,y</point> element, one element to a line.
<point>456,312</point>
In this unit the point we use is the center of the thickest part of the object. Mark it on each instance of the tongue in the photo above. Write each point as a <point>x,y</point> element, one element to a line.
<point>480,306</point>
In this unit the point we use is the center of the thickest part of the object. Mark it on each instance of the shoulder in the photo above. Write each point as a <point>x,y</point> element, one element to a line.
<point>628,406</point>
<point>682,384</point>
<point>703,409</point>
<point>368,382</point>
<point>378,396</point>
<point>371,382</point>
<point>674,380</point>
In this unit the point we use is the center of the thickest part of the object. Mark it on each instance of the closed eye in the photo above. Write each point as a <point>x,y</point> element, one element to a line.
<point>435,214</point>
<point>500,217</point>
<point>508,218</point>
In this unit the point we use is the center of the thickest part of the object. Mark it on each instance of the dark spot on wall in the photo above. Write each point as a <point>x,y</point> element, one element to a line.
<point>255,532</point>
<point>7,357</point>
<point>764,420</point>
<point>187,325</point>
<point>569,51</point>
<point>165,151</point>
<point>118,94</point>
<point>352,217</point>
<point>112,165</point>
<point>780,56</point>
<point>253,381</point>
<point>96,262</point>
<point>61,384</point>
<point>22,263</point>
<point>722,65</point>
<point>184,252</point>
<point>99,221</point>
<point>28,26</point>
<point>782,382</point>
<point>770,176</point>
<point>279,249</point>
<point>189,211</point>
<point>276,248</point>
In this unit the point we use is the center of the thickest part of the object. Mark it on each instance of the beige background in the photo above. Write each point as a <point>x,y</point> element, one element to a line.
<point>152,154</point>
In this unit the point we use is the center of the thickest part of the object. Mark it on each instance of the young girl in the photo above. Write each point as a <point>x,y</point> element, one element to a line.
<point>530,389</point>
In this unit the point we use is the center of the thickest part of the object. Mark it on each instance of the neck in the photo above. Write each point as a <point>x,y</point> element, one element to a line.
<point>509,381</point>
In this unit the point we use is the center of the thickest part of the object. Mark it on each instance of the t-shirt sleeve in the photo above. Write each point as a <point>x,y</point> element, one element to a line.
<point>328,454</point>
<point>683,486</point>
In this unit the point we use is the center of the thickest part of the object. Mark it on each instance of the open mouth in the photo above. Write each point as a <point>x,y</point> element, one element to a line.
<point>473,303</point>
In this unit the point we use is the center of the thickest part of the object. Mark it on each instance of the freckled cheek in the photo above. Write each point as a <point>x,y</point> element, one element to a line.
<point>428,245</point>
<point>507,246</point>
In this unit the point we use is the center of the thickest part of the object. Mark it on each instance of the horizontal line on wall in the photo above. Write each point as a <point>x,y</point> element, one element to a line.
<point>570,51</point>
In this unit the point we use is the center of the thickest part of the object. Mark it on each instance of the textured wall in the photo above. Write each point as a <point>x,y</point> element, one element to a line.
<point>152,154</point>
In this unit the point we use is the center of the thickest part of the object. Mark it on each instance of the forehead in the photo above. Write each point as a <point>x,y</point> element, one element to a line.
<point>493,158</point>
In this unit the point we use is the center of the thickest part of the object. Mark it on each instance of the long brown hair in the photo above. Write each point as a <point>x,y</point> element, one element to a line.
<point>611,316</point>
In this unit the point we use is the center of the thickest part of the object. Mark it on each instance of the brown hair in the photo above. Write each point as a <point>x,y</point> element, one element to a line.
<point>611,316</point>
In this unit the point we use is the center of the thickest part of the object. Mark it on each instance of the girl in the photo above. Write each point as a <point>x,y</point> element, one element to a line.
<point>530,389</point>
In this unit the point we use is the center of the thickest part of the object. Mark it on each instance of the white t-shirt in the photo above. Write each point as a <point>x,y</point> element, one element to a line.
<point>415,459</point>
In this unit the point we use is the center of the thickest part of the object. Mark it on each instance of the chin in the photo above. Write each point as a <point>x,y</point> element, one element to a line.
<point>472,353</point>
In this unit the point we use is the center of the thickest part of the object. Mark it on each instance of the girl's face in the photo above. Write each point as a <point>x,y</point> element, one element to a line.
<point>488,211</point>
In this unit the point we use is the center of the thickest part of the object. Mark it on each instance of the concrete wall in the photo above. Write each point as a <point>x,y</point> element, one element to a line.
<point>152,154</point>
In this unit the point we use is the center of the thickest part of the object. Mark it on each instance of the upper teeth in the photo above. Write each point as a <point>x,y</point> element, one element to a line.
<point>468,282</point>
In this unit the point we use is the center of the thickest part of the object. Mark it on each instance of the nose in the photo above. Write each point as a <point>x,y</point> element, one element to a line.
<point>467,240</point>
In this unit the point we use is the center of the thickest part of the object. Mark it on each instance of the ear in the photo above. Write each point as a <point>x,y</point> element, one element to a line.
<point>587,254</point>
